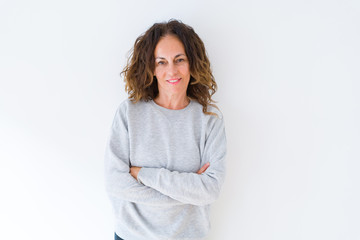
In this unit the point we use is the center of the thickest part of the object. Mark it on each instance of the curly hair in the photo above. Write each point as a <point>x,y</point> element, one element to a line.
<point>140,82</point>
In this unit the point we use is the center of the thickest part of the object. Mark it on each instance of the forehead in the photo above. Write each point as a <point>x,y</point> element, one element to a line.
<point>169,46</point>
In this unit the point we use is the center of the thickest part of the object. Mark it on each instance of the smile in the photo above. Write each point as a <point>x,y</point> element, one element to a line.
<point>174,80</point>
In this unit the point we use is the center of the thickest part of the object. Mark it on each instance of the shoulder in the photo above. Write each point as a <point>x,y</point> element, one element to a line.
<point>128,110</point>
<point>128,105</point>
<point>210,108</point>
<point>216,110</point>
<point>208,123</point>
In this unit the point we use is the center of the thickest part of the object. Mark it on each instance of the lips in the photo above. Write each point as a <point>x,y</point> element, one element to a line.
<point>174,80</point>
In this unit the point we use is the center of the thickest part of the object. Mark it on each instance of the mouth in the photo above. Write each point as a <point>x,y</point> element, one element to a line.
<point>173,80</point>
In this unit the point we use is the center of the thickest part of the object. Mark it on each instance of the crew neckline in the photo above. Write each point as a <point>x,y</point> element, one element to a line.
<point>171,110</point>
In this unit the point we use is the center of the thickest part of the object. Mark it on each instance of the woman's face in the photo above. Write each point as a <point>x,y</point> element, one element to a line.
<point>172,68</point>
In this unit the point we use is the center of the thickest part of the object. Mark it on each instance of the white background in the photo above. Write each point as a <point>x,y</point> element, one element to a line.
<point>288,76</point>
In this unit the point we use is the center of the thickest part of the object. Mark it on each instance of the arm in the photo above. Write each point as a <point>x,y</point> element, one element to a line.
<point>120,185</point>
<point>192,188</point>
<point>134,171</point>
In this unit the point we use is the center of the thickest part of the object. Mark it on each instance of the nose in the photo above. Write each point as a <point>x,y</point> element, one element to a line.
<point>172,70</point>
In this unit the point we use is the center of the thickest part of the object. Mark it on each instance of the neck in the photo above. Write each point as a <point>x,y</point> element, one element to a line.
<point>172,102</point>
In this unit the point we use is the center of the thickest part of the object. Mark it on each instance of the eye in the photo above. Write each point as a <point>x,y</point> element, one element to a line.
<point>161,63</point>
<point>180,60</point>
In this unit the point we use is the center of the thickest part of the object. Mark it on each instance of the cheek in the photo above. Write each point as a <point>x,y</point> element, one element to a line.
<point>158,72</point>
<point>184,69</point>
<point>186,72</point>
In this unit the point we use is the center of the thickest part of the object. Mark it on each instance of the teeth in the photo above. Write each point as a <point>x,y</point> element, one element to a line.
<point>173,80</point>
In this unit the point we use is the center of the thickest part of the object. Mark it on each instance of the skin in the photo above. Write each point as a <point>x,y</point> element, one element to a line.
<point>171,63</point>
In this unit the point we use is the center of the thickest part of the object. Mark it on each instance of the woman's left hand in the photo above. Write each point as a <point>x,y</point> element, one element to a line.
<point>134,171</point>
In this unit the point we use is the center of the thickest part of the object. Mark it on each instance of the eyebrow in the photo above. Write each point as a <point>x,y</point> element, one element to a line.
<point>178,55</point>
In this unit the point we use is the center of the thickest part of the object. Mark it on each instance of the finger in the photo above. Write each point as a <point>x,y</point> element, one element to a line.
<point>203,169</point>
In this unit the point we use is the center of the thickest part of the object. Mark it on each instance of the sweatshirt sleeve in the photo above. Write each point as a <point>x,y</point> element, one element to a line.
<point>119,183</point>
<point>193,188</point>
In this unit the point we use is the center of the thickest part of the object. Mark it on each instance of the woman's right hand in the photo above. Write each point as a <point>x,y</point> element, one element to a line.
<point>203,169</point>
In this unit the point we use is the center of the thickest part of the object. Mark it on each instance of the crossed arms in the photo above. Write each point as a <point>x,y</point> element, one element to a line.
<point>134,171</point>
<point>160,186</point>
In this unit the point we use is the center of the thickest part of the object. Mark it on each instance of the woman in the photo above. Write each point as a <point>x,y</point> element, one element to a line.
<point>165,157</point>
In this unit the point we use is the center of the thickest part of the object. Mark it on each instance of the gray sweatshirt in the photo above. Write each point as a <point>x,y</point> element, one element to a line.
<point>170,200</point>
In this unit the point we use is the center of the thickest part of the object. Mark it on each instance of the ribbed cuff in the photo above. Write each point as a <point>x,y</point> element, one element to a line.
<point>138,176</point>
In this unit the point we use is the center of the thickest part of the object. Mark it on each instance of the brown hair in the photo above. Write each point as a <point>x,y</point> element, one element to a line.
<point>141,84</point>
